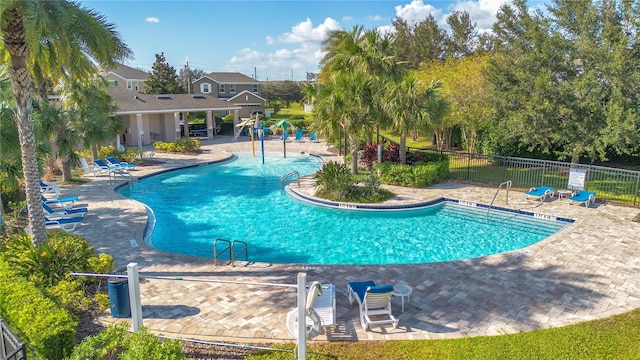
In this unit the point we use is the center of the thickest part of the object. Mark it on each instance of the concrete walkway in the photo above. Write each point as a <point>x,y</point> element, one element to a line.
<point>586,271</point>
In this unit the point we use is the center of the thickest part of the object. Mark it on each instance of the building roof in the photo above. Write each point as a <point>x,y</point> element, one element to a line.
<point>246,92</point>
<point>231,78</point>
<point>128,73</point>
<point>132,102</point>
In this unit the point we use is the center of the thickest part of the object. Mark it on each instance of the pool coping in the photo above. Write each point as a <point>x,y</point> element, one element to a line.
<point>415,206</point>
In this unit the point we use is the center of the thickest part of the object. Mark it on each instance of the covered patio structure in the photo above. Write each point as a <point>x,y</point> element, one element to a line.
<point>148,118</point>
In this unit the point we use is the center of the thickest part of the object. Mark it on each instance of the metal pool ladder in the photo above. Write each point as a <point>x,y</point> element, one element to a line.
<point>507,185</point>
<point>284,178</point>
<point>231,248</point>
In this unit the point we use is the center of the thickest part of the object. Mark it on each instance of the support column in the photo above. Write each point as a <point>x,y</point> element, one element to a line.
<point>210,127</point>
<point>134,295</point>
<point>176,120</point>
<point>139,131</point>
<point>236,131</point>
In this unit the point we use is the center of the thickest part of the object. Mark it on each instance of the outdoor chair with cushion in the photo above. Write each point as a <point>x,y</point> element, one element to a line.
<point>583,197</point>
<point>540,193</point>
<point>372,301</point>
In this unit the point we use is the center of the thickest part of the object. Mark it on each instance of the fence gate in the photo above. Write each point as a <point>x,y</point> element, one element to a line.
<point>11,348</point>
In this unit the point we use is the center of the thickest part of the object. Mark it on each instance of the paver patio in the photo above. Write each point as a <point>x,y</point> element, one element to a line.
<point>588,270</point>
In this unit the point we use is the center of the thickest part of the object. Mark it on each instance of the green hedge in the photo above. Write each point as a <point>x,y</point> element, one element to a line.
<point>178,146</point>
<point>48,330</point>
<point>420,174</point>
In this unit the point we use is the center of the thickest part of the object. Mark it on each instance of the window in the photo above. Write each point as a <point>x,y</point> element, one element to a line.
<point>129,85</point>
<point>137,88</point>
<point>113,82</point>
<point>205,88</point>
<point>221,91</point>
<point>255,88</point>
<point>233,88</point>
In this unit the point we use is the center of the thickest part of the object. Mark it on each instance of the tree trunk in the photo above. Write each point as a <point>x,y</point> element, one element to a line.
<point>15,43</point>
<point>94,151</point>
<point>65,164</point>
<point>354,155</point>
<point>403,148</point>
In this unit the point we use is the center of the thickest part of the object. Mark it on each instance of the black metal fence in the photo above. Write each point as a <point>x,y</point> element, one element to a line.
<point>610,184</point>
<point>10,346</point>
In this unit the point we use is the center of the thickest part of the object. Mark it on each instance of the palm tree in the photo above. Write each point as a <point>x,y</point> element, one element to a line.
<point>408,104</point>
<point>57,40</point>
<point>58,127</point>
<point>93,106</point>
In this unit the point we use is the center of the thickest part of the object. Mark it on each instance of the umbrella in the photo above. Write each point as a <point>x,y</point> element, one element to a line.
<point>284,123</point>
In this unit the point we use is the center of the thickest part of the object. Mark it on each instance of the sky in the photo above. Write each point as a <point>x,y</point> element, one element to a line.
<point>268,40</point>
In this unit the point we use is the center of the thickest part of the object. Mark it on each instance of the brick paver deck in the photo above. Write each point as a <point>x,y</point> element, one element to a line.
<point>586,271</point>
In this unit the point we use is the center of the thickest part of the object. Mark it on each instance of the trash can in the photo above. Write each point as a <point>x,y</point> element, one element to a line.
<point>119,297</point>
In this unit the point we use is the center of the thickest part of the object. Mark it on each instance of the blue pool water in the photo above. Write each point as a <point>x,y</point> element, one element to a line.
<point>241,200</point>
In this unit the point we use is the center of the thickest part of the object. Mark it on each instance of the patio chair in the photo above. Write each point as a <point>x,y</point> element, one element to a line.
<point>373,301</point>
<point>583,197</point>
<point>106,167</point>
<point>314,137</point>
<point>285,136</point>
<point>89,170</point>
<point>65,202</point>
<point>115,162</point>
<point>49,187</point>
<point>325,306</point>
<point>63,213</point>
<point>66,224</point>
<point>298,137</point>
<point>540,193</point>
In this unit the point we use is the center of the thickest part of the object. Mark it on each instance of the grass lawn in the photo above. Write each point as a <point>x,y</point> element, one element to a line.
<point>285,113</point>
<point>617,337</point>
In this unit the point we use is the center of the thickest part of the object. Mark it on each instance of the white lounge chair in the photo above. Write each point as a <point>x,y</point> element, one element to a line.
<point>325,306</point>
<point>373,301</point>
<point>89,170</point>
<point>50,187</point>
<point>540,193</point>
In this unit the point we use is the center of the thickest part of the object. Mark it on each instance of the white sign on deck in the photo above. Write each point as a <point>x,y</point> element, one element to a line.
<point>577,178</point>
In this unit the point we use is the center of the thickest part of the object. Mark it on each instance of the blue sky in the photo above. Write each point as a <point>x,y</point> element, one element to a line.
<point>275,40</point>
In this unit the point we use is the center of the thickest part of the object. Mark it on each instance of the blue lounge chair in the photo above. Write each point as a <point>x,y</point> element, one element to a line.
<point>540,193</point>
<point>115,162</point>
<point>65,202</point>
<point>583,197</point>
<point>64,213</point>
<point>373,301</point>
<point>66,224</point>
<point>104,166</point>
<point>314,137</point>
<point>285,135</point>
<point>299,134</point>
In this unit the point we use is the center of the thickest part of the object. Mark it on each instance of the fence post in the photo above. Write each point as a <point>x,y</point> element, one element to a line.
<point>134,296</point>
<point>468,165</point>
<point>302,316</point>
<point>635,194</point>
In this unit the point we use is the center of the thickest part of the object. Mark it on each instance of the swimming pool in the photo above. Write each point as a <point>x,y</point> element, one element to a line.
<point>241,200</point>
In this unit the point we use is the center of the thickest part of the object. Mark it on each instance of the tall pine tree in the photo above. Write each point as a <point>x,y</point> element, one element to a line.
<point>163,79</point>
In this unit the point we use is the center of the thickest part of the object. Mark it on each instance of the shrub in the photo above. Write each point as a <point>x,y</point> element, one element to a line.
<point>333,181</point>
<point>129,155</point>
<point>179,146</point>
<point>116,342</point>
<point>418,175</point>
<point>48,330</point>
<point>50,262</point>
<point>228,118</point>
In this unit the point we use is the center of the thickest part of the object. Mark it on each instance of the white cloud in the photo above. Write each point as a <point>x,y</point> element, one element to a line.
<point>482,12</point>
<point>417,11</point>
<point>304,31</point>
<point>376,18</point>
<point>152,19</point>
<point>347,18</point>
<point>300,52</point>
